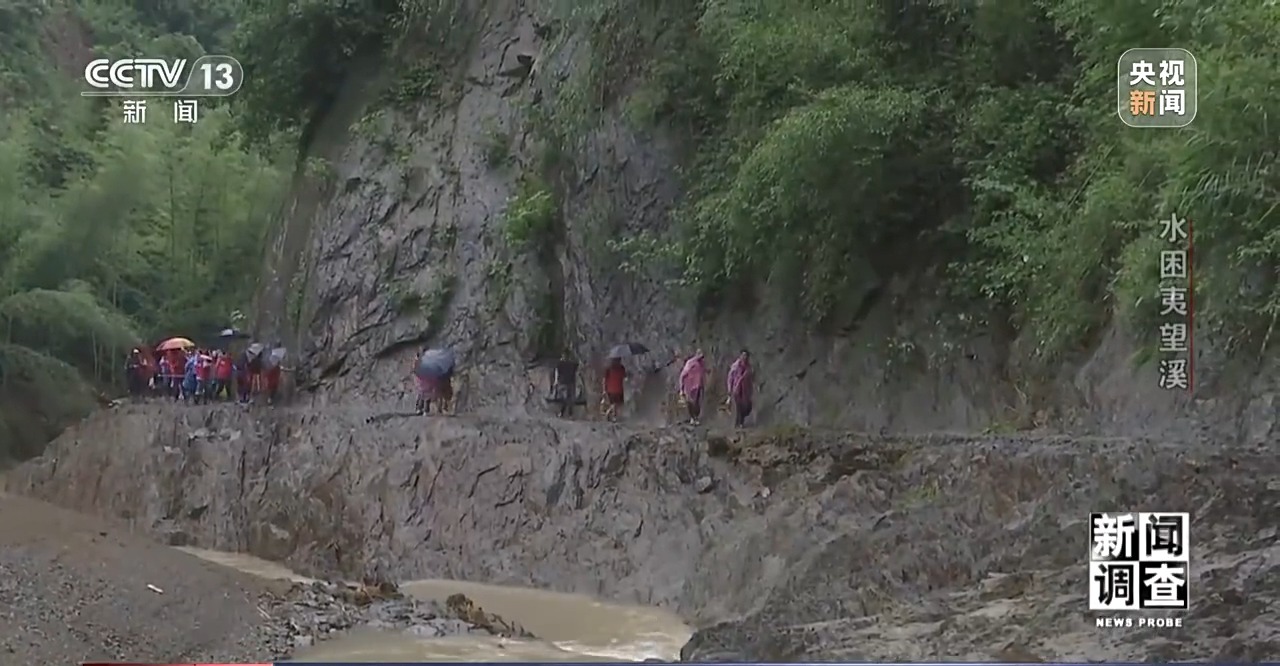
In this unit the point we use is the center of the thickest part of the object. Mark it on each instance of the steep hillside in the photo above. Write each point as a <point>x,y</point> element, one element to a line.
<point>532,179</point>
<point>878,219</point>
<point>918,217</point>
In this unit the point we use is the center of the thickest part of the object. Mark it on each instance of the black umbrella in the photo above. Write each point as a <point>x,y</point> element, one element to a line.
<point>435,363</point>
<point>627,350</point>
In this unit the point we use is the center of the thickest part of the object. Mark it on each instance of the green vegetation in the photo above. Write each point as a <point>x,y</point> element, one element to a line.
<point>436,304</point>
<point>414,86</point>
<point>972,141</point>
<point>531,215</point>
<point>495,145</point>
<point>979,137</point>
<point>544,330</point>
<point>112,234</point>
<point>407,301</point>
<point>300,52</point>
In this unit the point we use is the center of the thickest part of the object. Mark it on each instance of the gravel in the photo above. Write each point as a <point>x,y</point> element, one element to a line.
<point>74,589</point>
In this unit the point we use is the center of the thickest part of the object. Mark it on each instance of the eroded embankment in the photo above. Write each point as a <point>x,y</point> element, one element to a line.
<point>75,588</point>
<point>803,544</point>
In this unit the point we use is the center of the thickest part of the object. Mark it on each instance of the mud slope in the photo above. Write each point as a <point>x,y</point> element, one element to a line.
<point>75,589</point>
<point>799,544</point>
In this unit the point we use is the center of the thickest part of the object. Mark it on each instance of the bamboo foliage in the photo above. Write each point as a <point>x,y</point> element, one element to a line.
<point>160,235</point>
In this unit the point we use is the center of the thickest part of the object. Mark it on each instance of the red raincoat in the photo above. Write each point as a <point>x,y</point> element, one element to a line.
<point>222,368</point>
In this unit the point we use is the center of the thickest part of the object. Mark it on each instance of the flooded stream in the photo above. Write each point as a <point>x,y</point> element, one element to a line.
<point>570,627</point>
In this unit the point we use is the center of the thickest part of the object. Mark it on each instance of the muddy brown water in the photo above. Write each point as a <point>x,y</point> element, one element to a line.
<point>570,627</point>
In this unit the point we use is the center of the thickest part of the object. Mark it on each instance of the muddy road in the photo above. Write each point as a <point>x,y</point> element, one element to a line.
<point>774,544</point>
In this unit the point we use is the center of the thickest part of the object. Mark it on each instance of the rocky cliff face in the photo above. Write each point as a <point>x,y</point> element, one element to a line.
<point>401,242</point>
<point>782,544</point>
<point>787,543</point>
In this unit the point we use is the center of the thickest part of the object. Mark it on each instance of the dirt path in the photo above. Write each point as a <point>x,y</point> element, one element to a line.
<point>815,544</point>
<point>74,588</point>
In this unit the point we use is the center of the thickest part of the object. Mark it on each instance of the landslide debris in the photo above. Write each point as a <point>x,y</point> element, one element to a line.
<point>463,608</point>
<point>75,588</point>
<point>802,544</point>
<point>307,613</point>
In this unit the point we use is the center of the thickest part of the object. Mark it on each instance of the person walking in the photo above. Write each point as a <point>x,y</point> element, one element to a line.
<point>444,394</point>
<point>204,377</point>
<point>422,404</point>
<point>741,390</point>
<point>222,368</point>
<point>253,363</point>
<point>133,373</point>
<point>177,366</point>
<point>615,381</point>
<point>564,384</point>
<point>692,380</point>
<point>271,382</point>
<point>243,378</point>
<point>166,376</point>
<point>190,380</point>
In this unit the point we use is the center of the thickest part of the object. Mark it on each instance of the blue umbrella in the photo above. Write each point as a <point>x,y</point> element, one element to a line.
<point>435,364</point>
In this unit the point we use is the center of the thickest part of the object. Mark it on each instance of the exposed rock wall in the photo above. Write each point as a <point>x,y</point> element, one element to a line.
<point>783,544</point>
<point>800,544</point>
<point>404,244</point>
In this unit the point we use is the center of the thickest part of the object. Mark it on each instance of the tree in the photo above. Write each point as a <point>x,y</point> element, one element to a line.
<point>160,233</point>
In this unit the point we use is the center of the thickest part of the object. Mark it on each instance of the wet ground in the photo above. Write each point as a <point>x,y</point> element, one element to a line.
<point>564,627</point>
<point>780,544</point>
<point>75,588</point>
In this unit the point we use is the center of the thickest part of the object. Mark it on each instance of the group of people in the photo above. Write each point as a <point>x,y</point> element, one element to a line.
<point>197,375</point>
<point>188,373</point>
<point>739,386</point>
<point>690,389</point>
<point>432,387</point>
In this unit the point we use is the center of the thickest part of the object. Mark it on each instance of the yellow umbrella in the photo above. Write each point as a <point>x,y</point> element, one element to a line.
<point>175,343</point>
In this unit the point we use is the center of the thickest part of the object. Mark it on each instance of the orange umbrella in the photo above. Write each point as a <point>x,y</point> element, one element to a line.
<point>175,343</point>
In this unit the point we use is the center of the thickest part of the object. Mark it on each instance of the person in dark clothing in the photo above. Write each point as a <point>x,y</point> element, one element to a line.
<point>271,382</point>
<point>133,373</point>
<point>564,385</point>
<point>444,393</point>
<point>253,362</point>
<point>244,382</point>
<point>422,403</point>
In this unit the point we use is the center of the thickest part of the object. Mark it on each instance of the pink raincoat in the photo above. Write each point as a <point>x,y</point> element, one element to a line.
<point>693,376</point>
<point>740,381</point>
